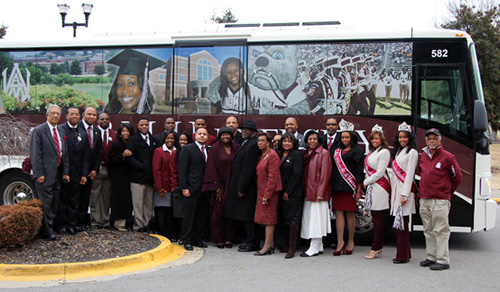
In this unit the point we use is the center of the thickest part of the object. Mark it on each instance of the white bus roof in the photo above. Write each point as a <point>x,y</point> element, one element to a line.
<point>251,33</point>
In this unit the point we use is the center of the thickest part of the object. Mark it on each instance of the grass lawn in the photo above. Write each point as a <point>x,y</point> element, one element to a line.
<point>99,91</point>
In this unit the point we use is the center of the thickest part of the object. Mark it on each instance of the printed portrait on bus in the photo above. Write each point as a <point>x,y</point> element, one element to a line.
<point>229,91</point>
<point>131,91</point>
<point>211,80</point>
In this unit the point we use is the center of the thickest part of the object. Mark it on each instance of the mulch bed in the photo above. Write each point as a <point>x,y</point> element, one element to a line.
<point>93,245</point>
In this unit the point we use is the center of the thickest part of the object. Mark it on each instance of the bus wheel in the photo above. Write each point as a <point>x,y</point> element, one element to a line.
<point>364,225</point>
<point>16,187</point>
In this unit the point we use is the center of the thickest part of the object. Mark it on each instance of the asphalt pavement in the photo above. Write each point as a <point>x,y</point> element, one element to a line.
<point>474,267</point>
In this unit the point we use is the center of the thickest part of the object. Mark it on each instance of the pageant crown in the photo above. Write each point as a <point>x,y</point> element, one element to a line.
<point>346,126</point>
<point>377,128</point>
<point>404,127</point>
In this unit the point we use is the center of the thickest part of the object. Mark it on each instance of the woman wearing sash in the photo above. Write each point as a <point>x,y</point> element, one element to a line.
<point>378,187</point>
<point>346,186</point>
<point>403,188</point>
<point>316,183</point>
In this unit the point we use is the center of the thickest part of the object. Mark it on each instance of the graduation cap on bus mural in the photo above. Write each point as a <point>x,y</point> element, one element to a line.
<point>132,62</point>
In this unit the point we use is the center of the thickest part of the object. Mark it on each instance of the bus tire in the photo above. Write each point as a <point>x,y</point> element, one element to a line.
<point>16,186</point>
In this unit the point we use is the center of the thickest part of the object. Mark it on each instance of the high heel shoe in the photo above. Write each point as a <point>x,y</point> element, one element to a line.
<point>340,251</point>
<point>349,251</point>
<point>374,254</point>
<point>267,252</point>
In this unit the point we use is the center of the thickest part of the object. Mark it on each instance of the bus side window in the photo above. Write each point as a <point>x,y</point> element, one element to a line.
<point>442,97</point>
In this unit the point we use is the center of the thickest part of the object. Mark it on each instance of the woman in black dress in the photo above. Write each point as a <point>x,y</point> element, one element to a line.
<point>121,197</point>
<point>292,197</point>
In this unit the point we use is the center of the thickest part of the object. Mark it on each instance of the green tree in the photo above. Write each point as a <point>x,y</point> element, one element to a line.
<point>482,24</point>
<point>3,31</point>
<point>6,61</point>
<point>75,68</point>
<point>99,69</point>
<point>226,17</point>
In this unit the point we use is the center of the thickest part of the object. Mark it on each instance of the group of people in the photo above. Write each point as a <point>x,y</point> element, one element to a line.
<point>243,179</point>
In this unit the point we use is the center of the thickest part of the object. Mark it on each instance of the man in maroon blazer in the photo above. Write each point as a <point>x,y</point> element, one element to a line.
<point>200,122</point>
<point>100,194</point>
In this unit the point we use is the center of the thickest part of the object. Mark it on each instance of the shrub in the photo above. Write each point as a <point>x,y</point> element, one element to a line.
<point>20,223</point>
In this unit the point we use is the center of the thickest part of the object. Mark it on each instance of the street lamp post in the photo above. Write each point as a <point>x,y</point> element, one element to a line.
<point>63,10</point>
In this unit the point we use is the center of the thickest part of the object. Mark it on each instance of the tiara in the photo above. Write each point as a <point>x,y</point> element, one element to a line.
<point>346,126</point>
<point>404,127</point>
<point>377,128</point>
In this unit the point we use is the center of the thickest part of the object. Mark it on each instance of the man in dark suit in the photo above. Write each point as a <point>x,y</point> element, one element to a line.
<point>142,145</point>
<point>169,126</point>
<point>100,193</point>
<point>232,122</point>
<point>331,140</point>
<point>94,162</point>
<point>78,151</point>
<point>242,192</point>
<point>49,161</point>
<point>191,170</point>
<point>292,126</point>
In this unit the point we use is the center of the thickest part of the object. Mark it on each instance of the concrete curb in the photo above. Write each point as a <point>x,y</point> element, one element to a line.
<point>164,253</point>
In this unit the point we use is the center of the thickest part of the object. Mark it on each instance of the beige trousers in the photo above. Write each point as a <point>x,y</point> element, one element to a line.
<point>142,203</point>
<point>100,198</point>
<point>434,214</point>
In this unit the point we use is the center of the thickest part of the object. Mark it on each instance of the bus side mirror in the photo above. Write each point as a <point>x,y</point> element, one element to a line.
<point>480,117</point>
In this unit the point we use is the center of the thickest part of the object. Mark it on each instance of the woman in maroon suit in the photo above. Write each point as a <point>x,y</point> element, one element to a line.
<point>216,182</point>
<point>268,188</point>
<point>165,178</point>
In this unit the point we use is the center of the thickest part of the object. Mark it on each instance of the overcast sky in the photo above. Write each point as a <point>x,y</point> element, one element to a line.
<point>33,19</point>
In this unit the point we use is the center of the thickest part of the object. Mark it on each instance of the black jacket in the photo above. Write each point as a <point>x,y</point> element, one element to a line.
<point>243,180</point>
<point>191,169</point>
<point>142,159</point>
<point>94,157</point>
<point>78,152</point>
<point>291,169</point>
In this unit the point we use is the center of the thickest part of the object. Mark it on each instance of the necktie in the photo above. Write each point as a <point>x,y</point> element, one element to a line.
<point>58,147</point>
<point>146,139</point>
<point>329,143</point>
<point>106,136</point>
<point>203,153</point>
<point>89,130</point>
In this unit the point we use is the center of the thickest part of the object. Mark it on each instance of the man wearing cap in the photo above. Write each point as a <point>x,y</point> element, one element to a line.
<point>440,177</point>
<point>242,192</point>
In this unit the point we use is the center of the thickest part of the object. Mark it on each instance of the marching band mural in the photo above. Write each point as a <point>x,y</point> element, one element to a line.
<point>277,79</point>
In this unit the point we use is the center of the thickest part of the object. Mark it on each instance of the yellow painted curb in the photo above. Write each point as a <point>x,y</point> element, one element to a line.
<point>164,253</point>
<point>496,200</point>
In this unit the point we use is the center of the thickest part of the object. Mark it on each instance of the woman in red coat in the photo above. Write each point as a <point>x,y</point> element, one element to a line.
<point>268,188</point>
<point>165,178</point>
<point>316,183</point>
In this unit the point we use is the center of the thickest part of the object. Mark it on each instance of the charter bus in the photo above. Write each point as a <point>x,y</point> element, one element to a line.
<point>267,72</point>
